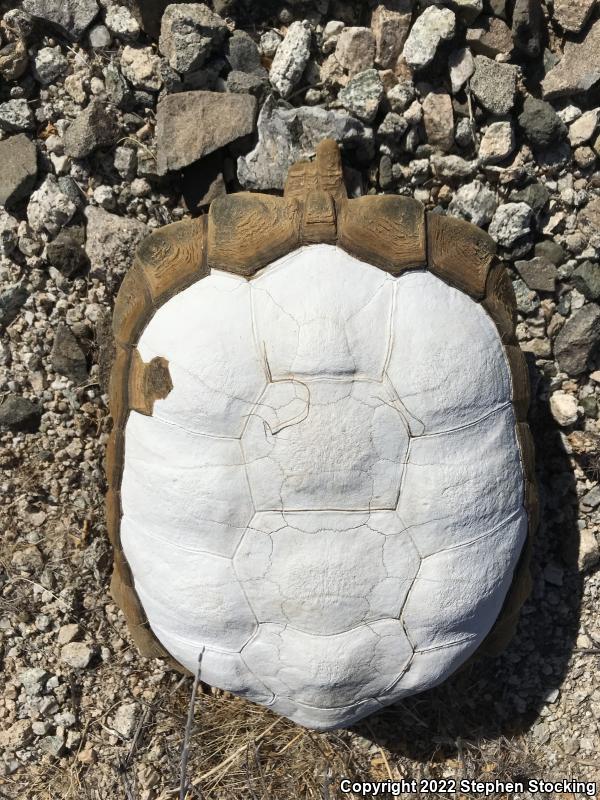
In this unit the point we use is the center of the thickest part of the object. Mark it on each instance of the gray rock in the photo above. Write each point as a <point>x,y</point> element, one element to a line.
<point>535,195</point>
<point>572,15</point>
<point>49,65</point>
<point>19,22</point>
<point>76,654</point>
<point>391,130</point>
<point>584,127</point>
<point>355,50</point>
<point>390,27</point>
<point>527,25</point>
<point>498,142</point>
<point>121,23</point>
<point>528,301</point>
<point>464,134</point>
<point>494,85</point>
<point>53,745</point>
<point>287,134</point>
<point>70,17</point>
<point>401,96</point>
<point>19,414</point>
<point>363,95</point>
<point>117,88</point>
<point>469,9</point>
<point>190,125</point>
<point>453,168</point>
<point>111,241</point>
<point>16,115</point>
<point>125,719</point>
<point>586,279</point>
<point>462,67</point>
<point>99,37</point>
<point>125,162</point>
<point>95,127</point>
<point>550,251</point>
<point>67,358</point>
<point>579,68</point>
<point>539,274</point>
<point>578,339</point>
<point>540,122</point>
<point>247,83</point>
<point>8,233</point>
<point>189,33</point>
<point>66,253</point>
<point>33,680</point>
<point>291,58</point>
<point>269,42</point>
<point>511,222</point>
<point>243,54</point>
<point>434,26</point>
<point>12,300</point>
<point>475,203</point>
<point>491,37</point>
<point>49,208</point>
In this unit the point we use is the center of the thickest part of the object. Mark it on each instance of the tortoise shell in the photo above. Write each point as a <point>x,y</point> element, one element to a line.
<point>320,474</point>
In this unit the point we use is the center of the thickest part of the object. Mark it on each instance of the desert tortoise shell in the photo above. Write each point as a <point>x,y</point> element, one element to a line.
<point>320,475</point>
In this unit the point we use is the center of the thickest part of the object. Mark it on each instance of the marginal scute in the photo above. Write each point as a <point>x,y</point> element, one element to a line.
<point>133,307</point>
<point>117,385</point>
<point>500,303</point>
<point>520,381</point>
<point>459,253</point>
<point>384,230</point>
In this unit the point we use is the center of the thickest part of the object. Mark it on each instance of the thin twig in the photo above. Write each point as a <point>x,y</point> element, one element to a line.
<point>185,750</point>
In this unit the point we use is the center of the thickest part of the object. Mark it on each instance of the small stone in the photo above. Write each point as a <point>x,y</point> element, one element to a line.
<point>40,727</point>
<point>490,38</point>
<point>16,115</point>
<point>438,118</point>
<point>586,279</point>
<point>538,273</point>
<point>355,50</point>
<point>291,58</point>
<point>66,253</point>
<point>497,143</point>
<point>16,736</point>
<point>53,745</point>
<point>540,122</point>
<point>469,9</point>
<point>392,128</point>
<point>579,68</point>
<point>125,162</point>
<point>462,67</point>
<point>76,654</point>
<point>578,339</point>
<point>141,66</point>
<point>8,233</point>
<point>70,17</point>
<point>12,300</point>
<point>390,28</point>
<point>511,222</point>
<point>49,64</point>
<point>528,301</point>
<point>563,408</point>
<point>452,167</point>
<point>494,85</point>
<point>68,633</point>
<point>475,203</point>
<point>14,60</point>
<point>122,24</point>
<point>117,89</point>
<point>189,33</point>
<point>49,208</point>
<point>99,37</point>
<point>124,720</point>
<point>434,26</point>
<point>243,54</point>
<point>534,194</point>
<point>589,552</point>
<point>585,157</point>
<point>582,130</point>
<point>17,23</point>
<point>550,251</point>
<point>247,83</point>
<point>67,358</point>
<point>401,96</point>
<point>362,95</point>
<point>588,218</point>
<point>110,241</point>
<point>190,125</point>
<point>95,127</point>
<point>269,42</point>
<point>19,414</point>
<point>572,15</point>
<point>33,680</point>
<point>527,25</point>
<point>463,134</point>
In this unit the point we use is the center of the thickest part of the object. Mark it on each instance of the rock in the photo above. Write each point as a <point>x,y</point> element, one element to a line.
<point>434,26</point>
<point>362,95</point>
<point>66,253</point>
<point>287,134</point>
<point>469,9</point>
<point>68,633</point>
<point>462,67</point>
<point>355,50</point>
<point>528,301</point>
<point>490,38</point>
<point>247,83</point>
<point>579,68</point>
<point>577,340</point>
<point>291,58</point>
<point>550,251</point>
<point>390,28</point>
<point>11,302</point>
<point>538,273</point>
<point>124,720</point>
<point>70,17</point>
<point>203,182</point>
<point>494,85</point>
<point>76,654</point>
<point>452,168</point>
<point>49,64</point>
<point>563,408</point>
<point>49,208</point>
<point>99,37</point>
<point>572,15</point>
<point>463,133</point>
<point>269,42</point>
<point>16,115</point>
<point>141,66</point>
<point>438,118</point>
<point>589,552</point>
<point>67,358</point>
<point>582,130</point>
<point>16,736</point>
<point>14,60</point>
<point>534,194</point>
<point>33,680</point>
<point>188,35</point>
<point>527,25</point>
<point>401,96</point>
<point>586,279</point>
<point>111,241</point>
<point>95,127</point>
<point>588,219</point>
<point>8,233</point>
<point>122,24</point>
<point>19,414</point>
<point>53,745</point>
<point>475,203</point>
<point>511,222</point>
<point>243,54</point>
<point>497,143</point>
<point>540,122</point>
<point>190,125</point>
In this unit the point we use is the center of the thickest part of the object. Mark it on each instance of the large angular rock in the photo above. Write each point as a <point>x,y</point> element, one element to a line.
<point>355,49</point>
<point>190,125</point>
<point>572,15</point>
<point>95,127</point>
<point>49,208</point>
<point>363,95</point>
<point>577,340</point>
<point>16,115</point>
<point>511,222</point>
<point>189,33</point>
<point>287,134</point>
<point>438,118</point>
<point>70,17</point>
<point>390,27</point>
<point>291,58</point>
<point>434,26</point>
<point>475,203</point>
<point>67,357</point>
<point>579,68</point>
<point>18,157</point>
<point>527,25</point>
<point>19,414</point>
<point>490,37</point>
<point>541,123</point>
<point>494,85</point>
<point>111,241</point>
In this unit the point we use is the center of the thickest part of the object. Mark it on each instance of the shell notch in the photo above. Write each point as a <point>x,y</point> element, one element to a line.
<point>244,233</point>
